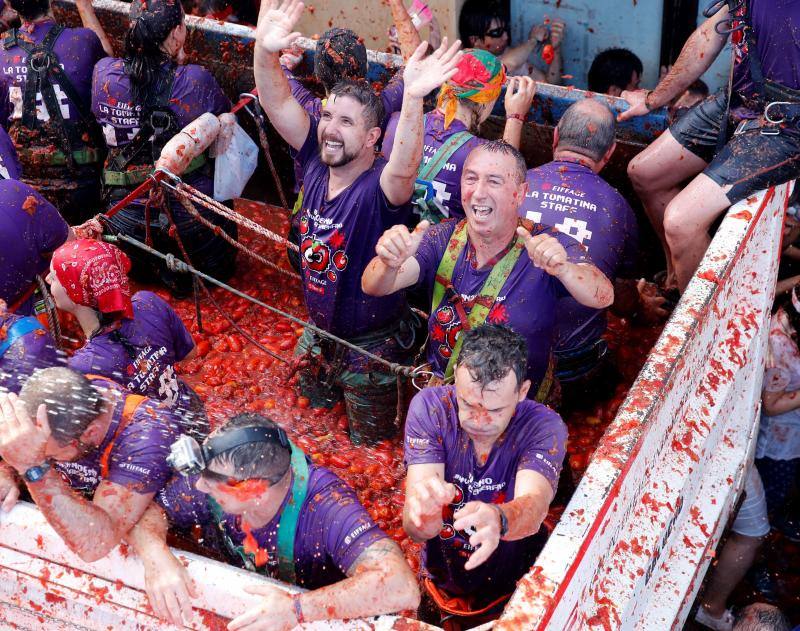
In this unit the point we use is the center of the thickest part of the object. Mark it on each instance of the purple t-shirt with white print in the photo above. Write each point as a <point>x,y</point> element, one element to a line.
<point>159,338</point>
<point>31,230</point>
<point>535,440</point>
<point>391,96</point>
<point>27,353</point>
<point>139,450</point>
<point>10,168</point>
<point>448,181</point>
<point>195,91</point>
<point>77,49</point>
<point>337,241</point>
<point>526,302</point>
<point>576,201</point>
<point>333,528</point>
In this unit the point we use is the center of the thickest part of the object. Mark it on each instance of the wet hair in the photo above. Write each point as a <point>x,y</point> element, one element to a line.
<point>699,88</point>
<point>364,94</point>
<point>502,147</point>
<point>266,460</point>
<point>151,23</point>
<point>587,127</point>
<point>71,399</point>
<point>761,617</point>
<point>476,18</point>
<point>489,351</point>
<point>613,67</point>
<point>30,9</point>
<point>340,54</point>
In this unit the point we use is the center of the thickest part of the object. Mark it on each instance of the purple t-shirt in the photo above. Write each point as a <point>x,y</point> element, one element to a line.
<point>333,529</point>
<point>195,91</point>
<point>337,241</point>
<point>10,168</point>
<point>159,339</point>
<point>576,201</point>
<point>78,50</point>
<point>448,182</point>
<point>527,301</point>
<point>138,457</point>
<point>776,24</point>
<point>535,439</point>
<point>30,229</point>
<point>391,96</point>
<point>27,353</point>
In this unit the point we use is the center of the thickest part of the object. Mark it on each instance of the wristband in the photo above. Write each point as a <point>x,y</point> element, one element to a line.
<point>519,117</point>
<point>646,104</point>
<point>503,519</point>
<point>34,474</point>
<point>298,609</point>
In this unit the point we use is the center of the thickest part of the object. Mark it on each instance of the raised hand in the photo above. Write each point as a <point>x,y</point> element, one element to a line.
<point>397,244</point>
<point>557,28</point>
<point>426,499</point>
<point>23,440</point>
<point>538,33</point>
<point>276,26</point>
<point>483,522</point>
<point>545,252</point>
<point>519,95</point>
<point>423,75</point>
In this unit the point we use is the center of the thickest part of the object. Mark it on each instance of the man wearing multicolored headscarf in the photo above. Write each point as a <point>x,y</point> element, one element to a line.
<point>464,102</point>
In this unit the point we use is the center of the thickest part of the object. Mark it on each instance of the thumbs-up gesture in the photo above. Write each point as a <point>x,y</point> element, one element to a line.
<point>545,252</point>
<point>398,244</point>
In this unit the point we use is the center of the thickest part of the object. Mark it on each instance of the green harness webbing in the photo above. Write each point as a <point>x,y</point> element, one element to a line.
<point>489,292</point>
<point>424,199</point>
<point>287,526</point>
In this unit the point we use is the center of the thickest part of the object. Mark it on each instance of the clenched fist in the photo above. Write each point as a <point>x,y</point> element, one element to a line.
<point>397,244</point>
<point>545,252</point>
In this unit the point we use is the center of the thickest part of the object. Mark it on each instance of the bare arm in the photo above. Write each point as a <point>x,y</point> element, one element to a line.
<point>514,57</point>
<point>379,582</point>
<point>697,55</point>
<point>557,28</point>
<point>587,284</point>
<point>395,267</point>
<point>90,21</point>
<point>426,494</point>
<point>780,402</point>
<point>407,35</point>
<point>273,34</point>
<point>519,97</point>
<point>168,586</point>
<point>421,76</point>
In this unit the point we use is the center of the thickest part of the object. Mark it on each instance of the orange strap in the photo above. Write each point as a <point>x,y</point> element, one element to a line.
<point>458,605</point>
<point>132,403</point>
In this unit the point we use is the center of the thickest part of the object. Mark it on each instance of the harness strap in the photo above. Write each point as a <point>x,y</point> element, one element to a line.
<point>287,526</point>
<point>131,404</point>
<point>489,292</point>
<point>18,329</point>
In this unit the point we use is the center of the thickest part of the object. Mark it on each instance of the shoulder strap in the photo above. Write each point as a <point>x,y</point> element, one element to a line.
<point>287,528</point>
<point>489,292</point>
<point>432,168</point>
<point>10,40</point>
<point>18,329</point>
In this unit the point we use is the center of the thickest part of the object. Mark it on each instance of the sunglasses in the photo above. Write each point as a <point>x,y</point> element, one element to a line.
<point>497,32</point>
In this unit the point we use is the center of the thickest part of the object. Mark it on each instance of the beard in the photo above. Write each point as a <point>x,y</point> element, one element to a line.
<point>341,160</point>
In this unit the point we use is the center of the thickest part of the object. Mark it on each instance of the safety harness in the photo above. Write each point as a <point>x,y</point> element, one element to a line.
<point>130,405</point>
<point>132,164</point>
<point>19,329</point>
<point>44,74</point>
<point>426,205</point>
<point>287,526</point>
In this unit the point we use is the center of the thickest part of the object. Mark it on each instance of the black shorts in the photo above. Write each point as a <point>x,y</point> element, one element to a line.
<point>750,161</point>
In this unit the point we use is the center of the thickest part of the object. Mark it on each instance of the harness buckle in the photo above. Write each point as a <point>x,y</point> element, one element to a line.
<point>767,116</point>
<point>39,61</point>
<point>159,121</point>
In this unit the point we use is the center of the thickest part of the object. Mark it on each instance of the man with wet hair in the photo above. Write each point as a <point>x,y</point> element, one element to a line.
<point>483,463</point>
<point>761,617</point>
<point>615,70</point>
<point>350,197</point>
<point>255,487</point>
<point>489,267</point>
<point>569,194</point>
<point>728,146</point>
<point>71,436</point>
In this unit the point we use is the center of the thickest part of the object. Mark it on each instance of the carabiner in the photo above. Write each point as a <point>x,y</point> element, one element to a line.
<point>768,118</point>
